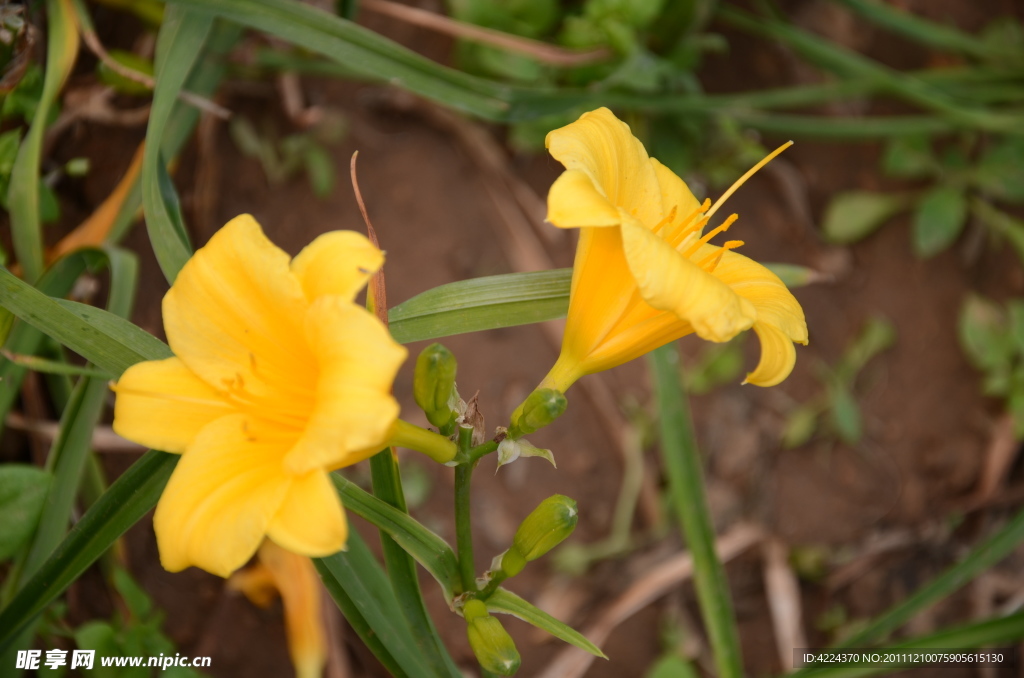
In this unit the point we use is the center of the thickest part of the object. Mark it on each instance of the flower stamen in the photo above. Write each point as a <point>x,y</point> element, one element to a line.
<point>742,180</point>
<point>722,227</point>
<point>710,262</point>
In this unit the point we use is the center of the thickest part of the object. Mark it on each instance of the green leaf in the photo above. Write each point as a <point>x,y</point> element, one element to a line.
<point>319,170</point>
<point>135,598</point>
<point>504,601</point>
<point>481,304</point>
<point>359,587</point>
<point>128,499</point>
<point>854,215</point>
<point>985,334</point>
<point>793,275</point>
<point>800,425</point>
<point>179,44</point>
<point>1000,173</point>
<point>23,198</point>
<point>938,220</point>
<point>90,332</point>
<point>360,49</point>
<point>671,666</point>
<point>23,490</point>
<point>845,414</point>
<point>428,549</point>
<point>683,466</point>
<point>909,157</point>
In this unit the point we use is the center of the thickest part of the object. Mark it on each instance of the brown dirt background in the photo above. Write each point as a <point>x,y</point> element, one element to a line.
<point>927,424</point>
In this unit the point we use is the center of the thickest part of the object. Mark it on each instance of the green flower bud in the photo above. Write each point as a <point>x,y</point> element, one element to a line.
<point>512,562</point>
<point>546,527</point>
<point>433,384</point>
<point>490,641</point>
<point>541,408</point>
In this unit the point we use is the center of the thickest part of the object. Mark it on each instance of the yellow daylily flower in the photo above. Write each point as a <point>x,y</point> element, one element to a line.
<point>295,578</point>
<point>278,378</point>
<point>645,273</point>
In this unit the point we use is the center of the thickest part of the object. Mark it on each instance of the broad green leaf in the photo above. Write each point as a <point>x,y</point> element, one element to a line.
<point>794,275</point>
<point>179,45</point>
<point>23,490</point>
<point>1000,173</point>
<point>482,303</point>
<point>129,498</point>
<point>984,333</point>
<point>23,198</point>
<point>429,550</point>
<point>86,331</point>
<point>358,585</point>
<point>401,568</point>
<point>939,218</point>
<point>878,334</point>
<point>504,601</point>
<point>800,425</point>
<point>854,215</point>
<point>909,157</point>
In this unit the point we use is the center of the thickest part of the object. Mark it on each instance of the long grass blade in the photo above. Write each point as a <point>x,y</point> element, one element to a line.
<point>686,485</point>
<point>23,192</point>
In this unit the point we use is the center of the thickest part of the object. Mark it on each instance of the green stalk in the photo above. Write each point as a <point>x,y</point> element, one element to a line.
<point>851,64</point>
<point>463,525</point>
<point>686,484</point>
<point>401,568</point>
<point>921,30</point>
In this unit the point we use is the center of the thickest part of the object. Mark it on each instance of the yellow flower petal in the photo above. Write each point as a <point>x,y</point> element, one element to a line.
<point>575,201</point>
<point>668,281</point>
<point>297,580</point>
<point>602,147</point>
<point>355,410</point>
<point>675,196</point>
<point>775,304</point>
<point>162,405</point>
<point>223,494</point>
<point>339,263</point>
<point>778,356</point>
<point>310,520</point>
<point>234,317</point>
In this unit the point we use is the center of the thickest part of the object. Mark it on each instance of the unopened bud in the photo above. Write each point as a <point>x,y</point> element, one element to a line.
<point>433,384</point>
<point>546,527</point>
<point>539,409</point>
<point>490,641</point>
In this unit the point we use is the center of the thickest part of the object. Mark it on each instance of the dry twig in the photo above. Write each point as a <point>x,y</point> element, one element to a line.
<point>783,592</point>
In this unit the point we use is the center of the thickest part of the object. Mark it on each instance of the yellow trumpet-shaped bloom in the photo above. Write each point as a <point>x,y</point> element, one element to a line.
<point>278,378</point>
<point>645,273</point>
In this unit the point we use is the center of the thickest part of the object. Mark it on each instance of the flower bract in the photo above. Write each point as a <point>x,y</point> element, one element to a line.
<point>645,272</point>
<point>277,378</point>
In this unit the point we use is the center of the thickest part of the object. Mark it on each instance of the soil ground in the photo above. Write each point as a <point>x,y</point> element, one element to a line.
<point>927,424</point>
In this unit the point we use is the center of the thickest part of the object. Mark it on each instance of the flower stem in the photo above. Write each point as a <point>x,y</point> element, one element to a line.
<point>463,526</point>
<point>434,445</point>
<point>686,483</point>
